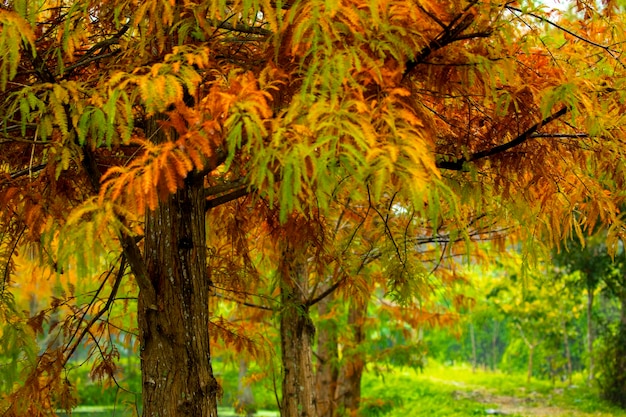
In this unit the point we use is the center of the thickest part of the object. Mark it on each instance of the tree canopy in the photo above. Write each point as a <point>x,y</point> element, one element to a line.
<point>123,123</point>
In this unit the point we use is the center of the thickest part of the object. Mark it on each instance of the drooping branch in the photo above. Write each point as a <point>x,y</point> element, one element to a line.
<point>369,257</point>
<point>104,309</point>
<point>129,244</point>
<point>526,135</point>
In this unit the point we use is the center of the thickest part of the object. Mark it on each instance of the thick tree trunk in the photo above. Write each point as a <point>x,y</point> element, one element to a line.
<point>173,317</point>
<point>296,334</point>
<point>327,357</point>
<point>349,384</point>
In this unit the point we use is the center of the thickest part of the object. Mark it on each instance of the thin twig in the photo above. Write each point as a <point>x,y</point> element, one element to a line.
<point>96,317</point>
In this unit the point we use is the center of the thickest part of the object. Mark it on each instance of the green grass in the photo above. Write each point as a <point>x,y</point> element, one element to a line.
<point>437,391</point>
<point>456,391</point>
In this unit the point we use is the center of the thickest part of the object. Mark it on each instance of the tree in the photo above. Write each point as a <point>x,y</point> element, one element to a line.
<point>591,259</point>
<point>595,269</point>
<point>534,301</point>
<point>123,123</point>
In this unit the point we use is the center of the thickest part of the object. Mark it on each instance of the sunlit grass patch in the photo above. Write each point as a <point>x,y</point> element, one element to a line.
<point>458,391</point>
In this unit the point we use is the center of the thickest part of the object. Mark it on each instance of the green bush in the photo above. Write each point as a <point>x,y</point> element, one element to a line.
<point>612,368</point>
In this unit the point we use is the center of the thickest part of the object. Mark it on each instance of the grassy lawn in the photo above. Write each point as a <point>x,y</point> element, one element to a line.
<point>457,391</point>
<point>437,391</point>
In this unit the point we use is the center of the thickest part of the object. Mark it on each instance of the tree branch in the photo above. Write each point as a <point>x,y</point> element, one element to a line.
<point>28,170</point>
<point>528,134</point>
<point>218,201</point>
<point>244,303</point>
<point>451,33</point>
<point>41,69</point>
<point>240,27</point>
<point>89,60</point>
<point>96,317</point>
<point>569,32</point>
<point>223,188</point>
<point>89,57</point>
<point>129,245</point>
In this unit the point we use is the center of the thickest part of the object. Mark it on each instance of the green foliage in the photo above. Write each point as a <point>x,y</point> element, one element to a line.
<point>15,34</point>
<point>612,361</point>
<point>91,228</point>
<point>457,391</point>
<point>263,389</point>
<point>437,109</point>
<point>125,393</point>
<point>395,393</point>
<point>18,350</point>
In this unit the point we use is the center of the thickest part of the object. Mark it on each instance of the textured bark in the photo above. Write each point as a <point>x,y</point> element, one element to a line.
<point>296,334</point>
<point>327,357</point>
<point>349,384</point>
<point>177,376</point>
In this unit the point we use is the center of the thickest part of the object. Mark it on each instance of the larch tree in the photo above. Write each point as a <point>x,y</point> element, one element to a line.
<point>124,122</point>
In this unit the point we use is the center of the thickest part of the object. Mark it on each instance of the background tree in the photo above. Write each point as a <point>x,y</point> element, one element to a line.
<point>597,270</point>
<point>593,263</point>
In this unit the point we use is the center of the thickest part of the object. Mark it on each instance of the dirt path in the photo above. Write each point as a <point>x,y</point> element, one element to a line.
<point>530,405</point>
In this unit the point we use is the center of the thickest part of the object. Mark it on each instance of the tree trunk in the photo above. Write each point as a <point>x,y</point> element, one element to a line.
<point>568,354</point>
<point>245,397</point>
<point>612,380</point>
<point>349,383</point>
<point>590,375</point>
<point>173,316</point>
<point>531,352</point>
<point>494,344</point>
<point>473,341</point>
<point>296,334</point>
<point>327,358</point>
